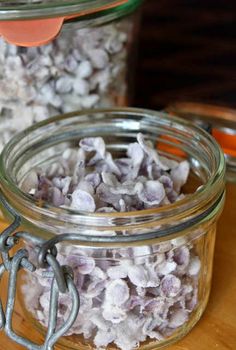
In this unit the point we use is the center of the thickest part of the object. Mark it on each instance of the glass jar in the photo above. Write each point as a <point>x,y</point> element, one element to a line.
<point>219,121</point>
<point>83,58</point>
<point>143,277</point>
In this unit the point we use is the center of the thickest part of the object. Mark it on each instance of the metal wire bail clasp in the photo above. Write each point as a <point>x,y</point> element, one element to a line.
<point>62,281</point>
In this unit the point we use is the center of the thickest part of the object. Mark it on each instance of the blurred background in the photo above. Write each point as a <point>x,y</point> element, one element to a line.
<point>187,52</point>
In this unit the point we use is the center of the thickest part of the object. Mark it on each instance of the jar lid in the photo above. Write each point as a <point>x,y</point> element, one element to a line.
<point>33,23</point>
<point>219,121</point>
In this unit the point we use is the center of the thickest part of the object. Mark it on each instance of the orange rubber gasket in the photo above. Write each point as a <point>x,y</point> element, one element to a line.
<point>220,118</point>
<point>226,141</point>
<point>38,32</point>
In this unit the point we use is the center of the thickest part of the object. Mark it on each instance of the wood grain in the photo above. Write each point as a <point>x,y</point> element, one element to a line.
<point>217,328</point>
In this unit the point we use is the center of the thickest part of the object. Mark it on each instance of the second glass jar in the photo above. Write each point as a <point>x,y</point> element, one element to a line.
<point>89,64</point>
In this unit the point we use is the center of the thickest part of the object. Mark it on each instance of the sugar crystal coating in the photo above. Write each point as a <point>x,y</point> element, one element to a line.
<point>131,294</point>
<point>81,68</point>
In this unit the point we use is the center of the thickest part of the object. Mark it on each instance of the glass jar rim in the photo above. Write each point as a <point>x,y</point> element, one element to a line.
<point>56,8</point>
<point>195,206</point>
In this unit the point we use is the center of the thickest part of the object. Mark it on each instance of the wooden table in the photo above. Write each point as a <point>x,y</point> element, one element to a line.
<point>217,328</point>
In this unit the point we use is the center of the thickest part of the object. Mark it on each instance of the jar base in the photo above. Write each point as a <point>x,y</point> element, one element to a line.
<point>76,342</point>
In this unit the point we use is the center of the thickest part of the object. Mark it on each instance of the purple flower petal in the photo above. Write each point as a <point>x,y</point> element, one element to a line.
<point>86,304</point>
<point>151,152</point>
<point>194,266</point>
<point>104,338</point>
<point>117,292</point>
<point>98,320</point>
<point>155,305</point>
<point>152,193</point>
<point>153,171</point>
<point>85,265</point>
<point>124,165</point>
<point>98,273</point>
<point>170,285</point>
<point>85,186</point>
<point>109,179</point>
<point>166,267</point>
<point>181,257</point>
<point>122,205</point>
<point>180,175</point>
<point>79,172</point>
<point>154,280</point>
<point>125,188</point>
<point>163,247</point>
<point>117,272</point>
<point>138,276</point>
<point>151,324</point>
<point>155,335</point>
<point>178,318</point>
<point>94,179</point>
<point>135,152</point>
<point>103,192</point>
<point>114,314</point>
<point>167,183</point>
<point>82,200</point>
<point>95,288</point>
<point>90,144</point>
<point>135,301</point>
<point>111,164</point>
<point>63,184</point>
<point>141,291</point>
<point>58,198</point>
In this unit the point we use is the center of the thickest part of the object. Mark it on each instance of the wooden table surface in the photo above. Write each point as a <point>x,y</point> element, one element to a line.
<point>217,327</point>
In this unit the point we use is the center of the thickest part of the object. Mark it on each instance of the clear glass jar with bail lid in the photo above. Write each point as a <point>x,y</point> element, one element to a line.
<point>59,56</point>
<point>144,276</point>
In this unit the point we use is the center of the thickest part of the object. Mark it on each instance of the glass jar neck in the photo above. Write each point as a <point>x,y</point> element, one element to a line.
<point>45,141</point>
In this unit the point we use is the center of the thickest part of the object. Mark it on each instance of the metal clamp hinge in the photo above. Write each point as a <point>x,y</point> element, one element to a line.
<point>62,281</point>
